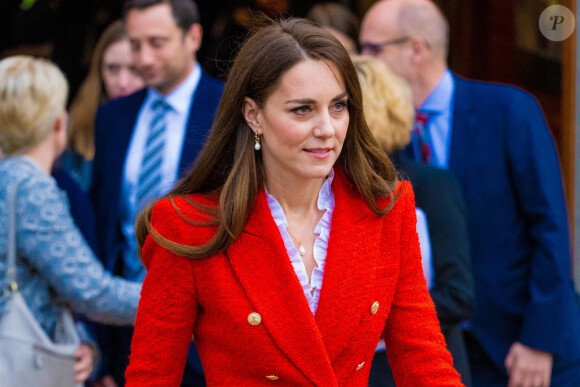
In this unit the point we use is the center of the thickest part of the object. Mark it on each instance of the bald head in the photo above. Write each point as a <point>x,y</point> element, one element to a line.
<point>411,37</point>
<point>419,18</point>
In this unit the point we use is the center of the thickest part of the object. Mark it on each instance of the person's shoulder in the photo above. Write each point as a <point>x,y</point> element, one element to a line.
<point>120,105</point>
<point>23,171</point>
<point>37,193</point>
<point>402,195</point>
<point>211,81</point>
<point>210,89</point>
<point>493,92</point>
<point>404,192</point>
<point>186,219</point>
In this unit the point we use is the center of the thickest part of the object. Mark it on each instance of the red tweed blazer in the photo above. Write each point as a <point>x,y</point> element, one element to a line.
<point>251,322</point>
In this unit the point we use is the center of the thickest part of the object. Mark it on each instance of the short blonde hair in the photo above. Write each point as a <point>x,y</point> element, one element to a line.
<point>33,94</point>
<point>387,103</point>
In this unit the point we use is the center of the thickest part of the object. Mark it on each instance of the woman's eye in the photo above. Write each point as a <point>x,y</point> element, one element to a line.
<point>301,110</point>
<point>339,106</point>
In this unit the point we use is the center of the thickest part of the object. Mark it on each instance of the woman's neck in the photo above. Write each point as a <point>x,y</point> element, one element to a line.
<point>297,200</point>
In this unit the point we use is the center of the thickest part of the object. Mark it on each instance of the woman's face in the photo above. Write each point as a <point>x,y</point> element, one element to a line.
<point>118,72</point>
<point>303,123</point>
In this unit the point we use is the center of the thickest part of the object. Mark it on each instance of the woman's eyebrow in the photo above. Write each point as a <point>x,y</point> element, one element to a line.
<point>308,101</point>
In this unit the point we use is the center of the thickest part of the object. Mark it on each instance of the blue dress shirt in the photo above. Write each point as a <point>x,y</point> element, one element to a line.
<point>438,106</point>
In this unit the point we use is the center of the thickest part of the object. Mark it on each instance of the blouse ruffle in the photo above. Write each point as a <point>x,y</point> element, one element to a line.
<point>325,202</point>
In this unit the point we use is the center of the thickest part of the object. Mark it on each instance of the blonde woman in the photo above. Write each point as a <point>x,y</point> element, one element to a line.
<point>389,112</point>
<point>53,260</point>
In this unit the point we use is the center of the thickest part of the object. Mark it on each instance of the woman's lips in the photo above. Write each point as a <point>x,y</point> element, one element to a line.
<point>319,153</point>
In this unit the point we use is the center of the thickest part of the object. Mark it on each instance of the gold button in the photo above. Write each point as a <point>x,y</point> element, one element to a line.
<point>272,377</point>
<point>254,318</point>
<point>360,366</point>
<point>375,307</point>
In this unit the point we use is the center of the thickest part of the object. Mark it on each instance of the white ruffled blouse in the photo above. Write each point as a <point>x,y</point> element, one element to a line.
<point>325,202</point>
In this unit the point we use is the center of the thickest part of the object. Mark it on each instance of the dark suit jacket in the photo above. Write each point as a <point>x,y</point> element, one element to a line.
<point>114,127</point>
<point>504,157</point>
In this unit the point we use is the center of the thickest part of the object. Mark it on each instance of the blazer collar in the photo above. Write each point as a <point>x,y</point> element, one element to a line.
<point>260,262</point>
<point>200,119</point>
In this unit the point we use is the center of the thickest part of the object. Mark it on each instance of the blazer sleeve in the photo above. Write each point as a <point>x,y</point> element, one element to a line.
<point>166,315</point>
<point>537,181</point>
<point>415,346</point>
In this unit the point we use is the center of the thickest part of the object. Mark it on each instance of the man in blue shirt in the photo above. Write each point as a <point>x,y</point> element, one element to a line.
<point>525,329</point>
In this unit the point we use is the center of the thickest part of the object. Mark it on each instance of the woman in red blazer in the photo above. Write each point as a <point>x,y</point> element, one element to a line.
<point>291,246</point>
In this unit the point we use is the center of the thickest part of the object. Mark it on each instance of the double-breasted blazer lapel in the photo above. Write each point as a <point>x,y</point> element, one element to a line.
<point>277,295</point>
<point>353,245</point>
<point>314,342</point>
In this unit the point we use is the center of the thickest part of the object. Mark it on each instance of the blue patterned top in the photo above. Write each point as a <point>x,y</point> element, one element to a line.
<point>54,262</point>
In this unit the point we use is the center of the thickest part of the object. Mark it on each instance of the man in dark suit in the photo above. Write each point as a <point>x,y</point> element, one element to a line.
<point>146,141</point>
<point>525,329</point>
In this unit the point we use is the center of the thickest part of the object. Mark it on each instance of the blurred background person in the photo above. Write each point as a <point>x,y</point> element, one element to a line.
<point>389,112</point>
<point>525,328</point>
<point>112,74</point>
<point>340,21</point>
<point>146,141</point>
<point>231,26</point>
<point>54,262</point>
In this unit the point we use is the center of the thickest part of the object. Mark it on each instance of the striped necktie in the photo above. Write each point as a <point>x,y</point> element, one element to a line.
<point>150,175</point>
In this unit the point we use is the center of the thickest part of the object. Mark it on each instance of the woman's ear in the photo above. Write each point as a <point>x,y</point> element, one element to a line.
<point>251,111</point>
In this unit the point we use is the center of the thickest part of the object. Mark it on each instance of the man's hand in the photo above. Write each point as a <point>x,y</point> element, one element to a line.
<point>528,367</point>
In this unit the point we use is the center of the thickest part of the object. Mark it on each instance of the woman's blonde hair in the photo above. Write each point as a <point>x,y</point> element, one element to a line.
<point>388,104</point>
<point>91,94</point>
<point>33,94</point>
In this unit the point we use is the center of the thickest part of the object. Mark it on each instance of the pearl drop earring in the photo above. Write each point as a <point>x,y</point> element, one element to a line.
<point>257,145</point>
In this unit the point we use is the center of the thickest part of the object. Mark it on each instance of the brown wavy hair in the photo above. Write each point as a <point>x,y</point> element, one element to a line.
<point>92,93</point>
<point>229,168</point>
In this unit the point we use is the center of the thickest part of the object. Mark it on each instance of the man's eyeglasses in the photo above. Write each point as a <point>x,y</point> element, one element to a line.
<point>376,48</point>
